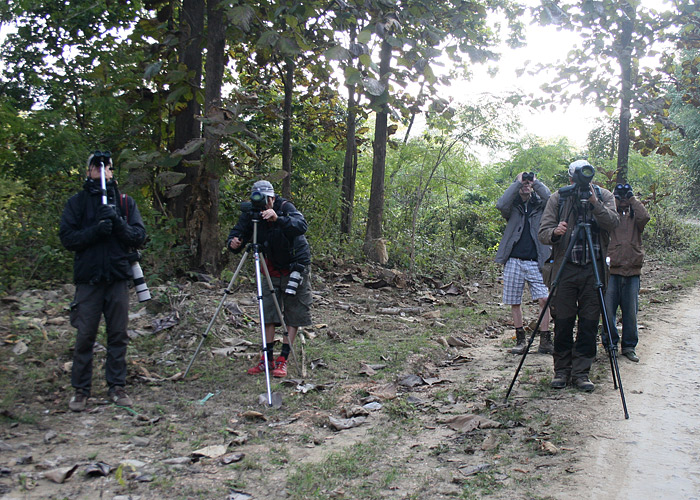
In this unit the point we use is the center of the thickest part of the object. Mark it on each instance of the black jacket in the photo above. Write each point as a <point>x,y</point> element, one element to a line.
<point>282,242</point>
<point>100,259</point>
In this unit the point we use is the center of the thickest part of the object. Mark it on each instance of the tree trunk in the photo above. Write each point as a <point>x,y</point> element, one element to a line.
<point>625,60</point>
<point>204,227</point>
<point>186,126</point>
<point>349,169</point>
<point>374,246</point>
<point>287,128</point>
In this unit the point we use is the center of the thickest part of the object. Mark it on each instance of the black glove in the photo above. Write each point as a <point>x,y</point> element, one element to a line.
<point>104,227</point>
<point>106,212</point>
<point>119,225</point>
<point>629,194</point>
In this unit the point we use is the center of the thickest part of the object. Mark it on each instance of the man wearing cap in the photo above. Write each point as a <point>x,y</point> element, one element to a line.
<point>102,237</point>
<point>522,254</point>
<point>575,295</point>
<point>287,256</point>
<point>626,259</point>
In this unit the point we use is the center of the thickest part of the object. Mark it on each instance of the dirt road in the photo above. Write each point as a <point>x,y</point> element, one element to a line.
<point>656,453</point>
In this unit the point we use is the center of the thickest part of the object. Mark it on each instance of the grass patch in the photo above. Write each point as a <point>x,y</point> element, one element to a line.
<point>354,469</point>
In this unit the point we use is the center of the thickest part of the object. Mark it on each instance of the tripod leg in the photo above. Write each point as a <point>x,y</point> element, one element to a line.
<point>285,332</point>
<point>218,309</point>
<point>258,282</point>
<point>601,301</point>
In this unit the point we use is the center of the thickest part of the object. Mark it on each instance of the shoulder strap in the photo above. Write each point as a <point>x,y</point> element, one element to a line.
<point>124,202</point>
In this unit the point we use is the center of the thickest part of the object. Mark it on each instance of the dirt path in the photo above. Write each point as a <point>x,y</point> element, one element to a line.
<point>656,453</point>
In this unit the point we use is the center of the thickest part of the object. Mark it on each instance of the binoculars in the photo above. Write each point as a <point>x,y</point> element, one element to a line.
<point>623,192</point>
<point>528,176</point>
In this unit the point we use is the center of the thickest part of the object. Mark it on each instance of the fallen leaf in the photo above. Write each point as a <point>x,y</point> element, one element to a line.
<point>60,475</point>
<point>470,422</point>
<point>340,424</point>
<point>210,451</point>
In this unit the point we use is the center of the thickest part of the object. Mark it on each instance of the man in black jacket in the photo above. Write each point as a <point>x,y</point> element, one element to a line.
<point>287,255</point>
<point>103,237</point>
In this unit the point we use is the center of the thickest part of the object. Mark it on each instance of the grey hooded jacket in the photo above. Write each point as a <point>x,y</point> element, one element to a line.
<point>512,210</point>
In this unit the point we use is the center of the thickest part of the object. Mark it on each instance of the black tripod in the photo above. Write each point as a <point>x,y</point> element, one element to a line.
<point>254,246</point>
<point>582,232</point>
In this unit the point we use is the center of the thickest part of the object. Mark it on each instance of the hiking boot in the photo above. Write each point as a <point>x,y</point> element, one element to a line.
<point>260,367</point>
<point>78,402</point>
<point>584,384</point>
<point>119,397</point>
<point>546,346</point>
<point>280,370</point>
<point>559,381</point>
<point>520,343</point>
<point>631,355</point>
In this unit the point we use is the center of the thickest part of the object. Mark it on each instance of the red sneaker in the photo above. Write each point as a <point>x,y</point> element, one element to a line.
<point>280,370</point>
<point>260,367</point>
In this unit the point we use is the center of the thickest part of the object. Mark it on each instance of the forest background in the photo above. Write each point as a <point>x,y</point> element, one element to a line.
<point>196,99</point>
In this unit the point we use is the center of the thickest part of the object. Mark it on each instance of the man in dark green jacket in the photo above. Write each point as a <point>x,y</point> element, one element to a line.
<point>103,237</point>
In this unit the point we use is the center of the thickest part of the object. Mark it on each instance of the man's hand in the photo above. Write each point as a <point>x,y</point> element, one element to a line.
<point>269,214</point>
<point>560,230</point>
<point>235,243</point>
<point>104,227</point>
<point>106,212</point>
<point>593,197</point>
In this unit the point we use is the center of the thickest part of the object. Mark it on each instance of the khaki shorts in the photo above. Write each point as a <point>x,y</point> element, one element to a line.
<point>295,308</point>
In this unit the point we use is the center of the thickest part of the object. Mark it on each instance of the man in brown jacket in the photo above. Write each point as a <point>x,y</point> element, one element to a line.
<point>576,293</point>
<point>626,259</point>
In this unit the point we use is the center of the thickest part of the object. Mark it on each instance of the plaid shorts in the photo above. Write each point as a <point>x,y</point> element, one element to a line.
<point>515,274</point>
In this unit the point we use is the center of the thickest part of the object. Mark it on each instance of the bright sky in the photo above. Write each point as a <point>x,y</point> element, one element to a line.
<point>544,45</point>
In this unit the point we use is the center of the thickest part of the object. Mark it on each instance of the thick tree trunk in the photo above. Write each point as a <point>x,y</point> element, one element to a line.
<point>204,226</point>
<point>374,246</point>
<point>625,60</point>
<point>186,126</point>
<point>287,128</point>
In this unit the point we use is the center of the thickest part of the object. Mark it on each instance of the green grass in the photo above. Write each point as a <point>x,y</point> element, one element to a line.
<point>354,469</point>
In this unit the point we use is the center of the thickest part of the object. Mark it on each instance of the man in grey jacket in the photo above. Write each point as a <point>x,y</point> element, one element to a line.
<point>523,255</point>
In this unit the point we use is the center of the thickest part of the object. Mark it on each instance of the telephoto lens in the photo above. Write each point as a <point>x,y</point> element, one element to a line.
<point>295,280</point>
<point>140,285</point>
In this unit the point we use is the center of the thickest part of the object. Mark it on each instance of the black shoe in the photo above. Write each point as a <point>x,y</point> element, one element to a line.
<point>119,397</point>
<point>584,384</point>
<point>520,342</point>
<point>546,346</point>
<point>631,355</point>
<point>78,402</point>
<point>558,382</point>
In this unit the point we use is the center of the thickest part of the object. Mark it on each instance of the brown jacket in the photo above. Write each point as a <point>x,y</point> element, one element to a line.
<point>625,250</point>
<point>604,212</point>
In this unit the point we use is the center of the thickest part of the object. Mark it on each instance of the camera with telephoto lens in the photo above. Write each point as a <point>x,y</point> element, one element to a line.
<point>295,279</point>
<point>623,192</point>
<point>528,176</point>
<point>582,177</point>
<point>140,286</point>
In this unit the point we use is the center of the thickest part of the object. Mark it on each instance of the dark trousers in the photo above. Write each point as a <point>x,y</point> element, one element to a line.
<point>576,296</point>
<point>90,303</point>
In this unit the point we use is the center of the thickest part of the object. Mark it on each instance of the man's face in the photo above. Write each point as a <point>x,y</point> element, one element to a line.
<point>94,172</point>
<point>270,202</point>
<point>526,189</point>
<point>622,202</point>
